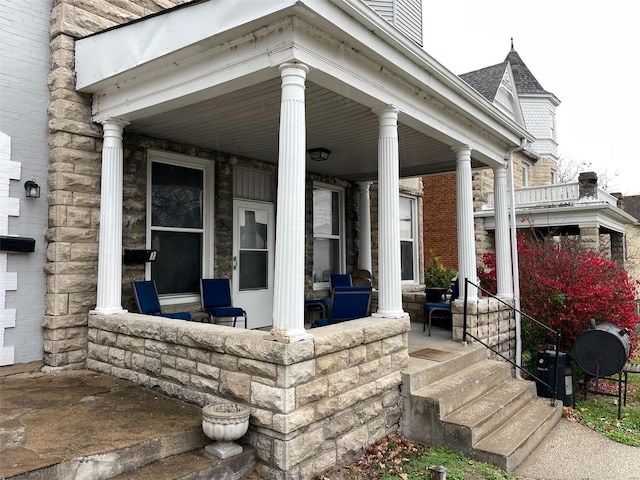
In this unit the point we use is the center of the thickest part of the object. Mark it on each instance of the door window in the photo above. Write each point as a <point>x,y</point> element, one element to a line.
<point>253,249</point>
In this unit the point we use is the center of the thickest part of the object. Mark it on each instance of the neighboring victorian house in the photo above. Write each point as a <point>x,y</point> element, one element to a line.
<point>542,205</point>
<point>185,130</point>
<point>631,205</point>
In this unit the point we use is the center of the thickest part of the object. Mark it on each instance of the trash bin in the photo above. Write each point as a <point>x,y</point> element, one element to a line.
<point>546,372</point>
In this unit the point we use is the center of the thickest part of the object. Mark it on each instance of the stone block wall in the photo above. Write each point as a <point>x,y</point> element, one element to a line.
<point>315,404</point>
<point>489,320</point>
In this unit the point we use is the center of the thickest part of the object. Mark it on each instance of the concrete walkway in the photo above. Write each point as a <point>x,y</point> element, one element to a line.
<point>573,451</point>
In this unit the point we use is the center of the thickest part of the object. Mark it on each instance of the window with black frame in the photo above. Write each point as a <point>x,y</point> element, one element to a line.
<point>177,227</point>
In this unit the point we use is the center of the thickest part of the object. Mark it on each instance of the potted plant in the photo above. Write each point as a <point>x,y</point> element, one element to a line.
<point>437,279</point>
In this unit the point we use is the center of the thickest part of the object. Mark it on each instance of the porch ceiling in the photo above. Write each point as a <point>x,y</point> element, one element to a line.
<point>218,86</point>
<point>246,123</point>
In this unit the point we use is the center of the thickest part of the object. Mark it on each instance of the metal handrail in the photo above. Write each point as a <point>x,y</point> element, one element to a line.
<point>465,334</point>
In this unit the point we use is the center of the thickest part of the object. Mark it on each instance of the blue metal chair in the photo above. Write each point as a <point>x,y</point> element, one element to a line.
<point>148,302</point>
<point>215,294</point>
<point>440,307</point>
<point>347,303</point>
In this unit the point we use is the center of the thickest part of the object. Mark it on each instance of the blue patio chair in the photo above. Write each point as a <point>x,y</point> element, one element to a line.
<point>215,294</point>
<point>148,302</point>
<point>340,280</point>
<point>440,308</point>
<point>347,303</point>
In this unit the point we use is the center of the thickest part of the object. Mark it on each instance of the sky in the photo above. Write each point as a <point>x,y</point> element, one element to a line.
<point>586,53</point>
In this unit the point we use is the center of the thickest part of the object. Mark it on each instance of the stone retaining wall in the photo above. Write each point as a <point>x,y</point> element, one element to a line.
<point>315,404</point>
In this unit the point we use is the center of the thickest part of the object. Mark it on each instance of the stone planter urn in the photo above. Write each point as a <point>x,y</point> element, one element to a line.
<point>224,423</point>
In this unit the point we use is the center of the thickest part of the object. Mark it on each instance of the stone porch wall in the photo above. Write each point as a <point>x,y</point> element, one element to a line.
<point>489,320</point>
<point>315,404</point>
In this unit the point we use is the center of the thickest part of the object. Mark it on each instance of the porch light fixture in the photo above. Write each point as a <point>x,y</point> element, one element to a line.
<point>32,189</point>
<point>319,154</point>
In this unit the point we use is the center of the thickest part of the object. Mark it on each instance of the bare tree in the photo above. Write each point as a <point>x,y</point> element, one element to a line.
<point>569,169</point>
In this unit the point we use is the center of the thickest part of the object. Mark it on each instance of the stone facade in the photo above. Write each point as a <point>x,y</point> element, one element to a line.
<point>315,404</point>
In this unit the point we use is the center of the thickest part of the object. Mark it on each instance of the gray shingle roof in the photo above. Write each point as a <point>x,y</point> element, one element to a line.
<point>631,205</point>
<point>522,76</point>
<point>487,80</point>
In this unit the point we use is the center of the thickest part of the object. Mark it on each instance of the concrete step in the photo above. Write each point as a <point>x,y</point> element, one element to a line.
<point>195,465</point>
<point>512,443</point>
<point>421,372</point>
<point>472,422</point>
<point>456,390</point>
<point>424,408</point>
<point>108,464</point>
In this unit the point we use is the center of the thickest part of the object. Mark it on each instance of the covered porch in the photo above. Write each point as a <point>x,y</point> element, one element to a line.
<point>261,88</point>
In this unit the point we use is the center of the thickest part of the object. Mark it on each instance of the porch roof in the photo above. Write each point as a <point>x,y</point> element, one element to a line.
<point>561,205</point>
<point>216,85</point>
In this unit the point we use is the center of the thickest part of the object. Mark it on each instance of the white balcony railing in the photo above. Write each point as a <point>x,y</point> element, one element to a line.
<point>554,194</point>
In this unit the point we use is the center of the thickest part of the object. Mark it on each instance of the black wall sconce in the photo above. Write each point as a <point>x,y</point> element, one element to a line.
<point>32,189</point>
<point>319,154</point>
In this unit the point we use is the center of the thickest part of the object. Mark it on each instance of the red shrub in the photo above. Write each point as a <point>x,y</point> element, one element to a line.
<point>564,285</point>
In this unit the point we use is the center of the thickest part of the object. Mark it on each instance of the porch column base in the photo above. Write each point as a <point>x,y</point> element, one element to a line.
<point>290,338</point>
<point>108,311</point>
<point>380,314</point>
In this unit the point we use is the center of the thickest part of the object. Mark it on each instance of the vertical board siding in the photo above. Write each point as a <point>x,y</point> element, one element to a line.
<point>253,184</point>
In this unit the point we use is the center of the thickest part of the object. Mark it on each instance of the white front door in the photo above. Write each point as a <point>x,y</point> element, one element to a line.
<point>253,252</point>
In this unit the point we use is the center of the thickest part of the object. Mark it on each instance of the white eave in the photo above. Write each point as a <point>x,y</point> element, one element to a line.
<point>570,213</point>
<point>153,66</point>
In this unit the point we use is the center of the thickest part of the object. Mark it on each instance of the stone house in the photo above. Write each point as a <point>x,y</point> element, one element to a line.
<point>189,141</point>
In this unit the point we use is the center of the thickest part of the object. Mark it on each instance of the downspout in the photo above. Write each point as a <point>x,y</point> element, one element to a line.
<point>514,254</point>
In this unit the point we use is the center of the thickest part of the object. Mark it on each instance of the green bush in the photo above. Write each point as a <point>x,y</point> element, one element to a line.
<point>437,275</point>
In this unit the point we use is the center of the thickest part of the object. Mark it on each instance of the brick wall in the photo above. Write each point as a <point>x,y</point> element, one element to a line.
<point>315,404</point>
<point>440,214</point>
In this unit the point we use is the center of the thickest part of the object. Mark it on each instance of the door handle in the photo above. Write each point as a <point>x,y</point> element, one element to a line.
<point>235,263</point>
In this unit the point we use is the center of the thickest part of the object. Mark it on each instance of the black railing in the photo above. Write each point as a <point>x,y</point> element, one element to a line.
<point>465,333</point>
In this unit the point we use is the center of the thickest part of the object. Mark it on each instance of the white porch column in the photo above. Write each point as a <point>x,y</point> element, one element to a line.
<point>364,259</point>
<point>288,295</point>
<point>389,273</point>
<point>109,295</point>
<point>504,269</point>
<point>466,233</point>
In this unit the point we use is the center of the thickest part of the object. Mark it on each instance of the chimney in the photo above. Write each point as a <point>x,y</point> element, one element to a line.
<point>588,185</point>
<point>620,198</point>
